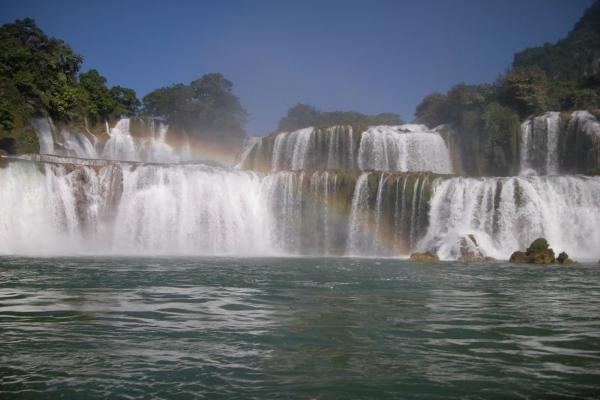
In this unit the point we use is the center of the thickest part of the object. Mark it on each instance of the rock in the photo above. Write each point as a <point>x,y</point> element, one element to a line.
<point>426,256</point>
<point>543,257</point>
<point>539,252</point>
<point>539,244</point>
<point>470,251</point>
<point>519,257</point>
<point>3,162</point>
<point>563,258</point>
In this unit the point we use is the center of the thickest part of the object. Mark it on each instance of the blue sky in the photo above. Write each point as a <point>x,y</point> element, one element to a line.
<point>369,56</point>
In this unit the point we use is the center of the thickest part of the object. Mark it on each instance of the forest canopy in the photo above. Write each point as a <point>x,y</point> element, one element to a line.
<point>206,105</point>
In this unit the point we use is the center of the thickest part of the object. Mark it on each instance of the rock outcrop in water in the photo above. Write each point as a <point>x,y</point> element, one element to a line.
<point>539,252</point>
<point>426,256</point>
<point>563,258</point>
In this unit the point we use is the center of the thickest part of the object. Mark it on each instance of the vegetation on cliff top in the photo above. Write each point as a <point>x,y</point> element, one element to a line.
<point>206,105</point>
<point>562,76</point>
<point>303,115</point>
<point>40,76</point>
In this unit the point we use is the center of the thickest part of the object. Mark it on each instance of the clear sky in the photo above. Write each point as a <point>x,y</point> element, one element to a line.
<point>369,56</point>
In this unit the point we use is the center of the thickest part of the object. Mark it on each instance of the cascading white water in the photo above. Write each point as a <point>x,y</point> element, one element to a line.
<point>507,214</point>
<point>539,144</point>
<point>403,148</point>
<point>380,148</point>
<point>360,237</point>
<point>120,145</point>
<point>131,209</point>
<point>310,148</point>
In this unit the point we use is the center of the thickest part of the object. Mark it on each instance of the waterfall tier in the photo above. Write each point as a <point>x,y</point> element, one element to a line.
<point>148,144</point>
<point>554,143</point>
<point>506,214</point>
<point>405,148</point>
<point>129,208</point>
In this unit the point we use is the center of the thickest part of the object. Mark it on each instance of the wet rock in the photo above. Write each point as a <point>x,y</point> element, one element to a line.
<point>543,257</point>
<point>519,257</point>
<point>563,258</point>
<point>426,256</point>
<point>539,252</point>
<point>470,250</point>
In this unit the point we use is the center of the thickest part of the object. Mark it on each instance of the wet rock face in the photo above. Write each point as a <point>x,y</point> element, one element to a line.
<point>563,258</point>
<point>539,252</point>
<point>519,257</point>
<point>426,256</point>
<point>470,250</point>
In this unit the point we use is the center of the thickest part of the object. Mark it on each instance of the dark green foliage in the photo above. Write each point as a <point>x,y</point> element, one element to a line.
<point>563,258</point>
<point>572,58</point>
<point>527,90</point>
<point>539,244</point>
<point>39,76</point>
<point>433,110</point>
<point>303,115</point>
<point>485,118</point>
<point>206,106</point>
<point>486,132</point>
<point>127,103</point>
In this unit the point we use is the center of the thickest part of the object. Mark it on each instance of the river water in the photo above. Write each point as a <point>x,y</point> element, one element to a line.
<point>305,328</point>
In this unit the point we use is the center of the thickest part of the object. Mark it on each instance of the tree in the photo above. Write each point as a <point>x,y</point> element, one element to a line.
<point>527,89</point>
<point>127,103</point>
<point>433,110</point>
<point>303,115</point>
<point>37,73</point>
<point>300,116</point>
<point>100,103</point>
<point>206,106</point>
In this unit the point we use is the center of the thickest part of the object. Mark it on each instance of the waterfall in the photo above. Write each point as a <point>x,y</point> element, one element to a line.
<point>552,143</point>
<point>149,146</point>
<point>43,130</point>
<point>316,192</point>
<point>120,145</point>
<point>360,234</point>
<point>388,213</point>
<point>539,144</point>
<point>407,148</point>
<point>506,214</point>
<point>310,148</point>
<point>403,148</point>
<point>131,209</point>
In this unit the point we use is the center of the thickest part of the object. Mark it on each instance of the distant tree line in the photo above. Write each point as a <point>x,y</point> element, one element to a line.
<point>303,115</point>
<point>206,105</point>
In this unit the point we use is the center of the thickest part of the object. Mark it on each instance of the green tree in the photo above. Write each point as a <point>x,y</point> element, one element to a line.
<point>207,106</point>
<point>527,89</point>
<point>127,103</point>
<point>37,73</point>
<point>303,115</point>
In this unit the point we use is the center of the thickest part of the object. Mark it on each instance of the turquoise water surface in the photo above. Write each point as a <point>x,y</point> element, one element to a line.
<point>296,328</point>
